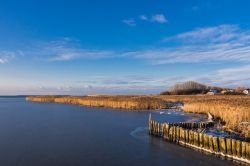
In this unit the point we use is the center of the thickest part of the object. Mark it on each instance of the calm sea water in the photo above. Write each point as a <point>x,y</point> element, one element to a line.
<point>40,134</point>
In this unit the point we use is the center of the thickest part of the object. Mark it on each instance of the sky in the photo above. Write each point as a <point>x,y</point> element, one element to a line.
<point>80,47</point>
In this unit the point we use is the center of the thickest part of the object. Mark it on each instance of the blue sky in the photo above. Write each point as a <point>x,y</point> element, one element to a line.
<point>122,47</point>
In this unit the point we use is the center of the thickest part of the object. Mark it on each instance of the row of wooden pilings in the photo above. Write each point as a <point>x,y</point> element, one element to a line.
<point>183,134</point>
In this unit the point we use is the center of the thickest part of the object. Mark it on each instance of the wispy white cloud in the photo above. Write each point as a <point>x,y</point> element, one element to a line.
<point>160,18</point>
<point>6,56</point>
<point>225,77</point>
<point>66,50</point>
<point>222,43</point>
<point>217,34</point>
<point>235,76</point>
<point>130,22</point>
<point>143,17</point>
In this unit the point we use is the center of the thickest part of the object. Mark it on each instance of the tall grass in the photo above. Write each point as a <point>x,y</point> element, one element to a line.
<point>233,110</point>
<point>120,102</point>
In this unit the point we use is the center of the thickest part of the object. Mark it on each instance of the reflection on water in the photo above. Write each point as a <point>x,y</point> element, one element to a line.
<point>40,134</point>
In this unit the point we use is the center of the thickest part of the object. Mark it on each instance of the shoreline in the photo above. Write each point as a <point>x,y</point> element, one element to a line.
<point>117,102</point>
<point>231,110</point>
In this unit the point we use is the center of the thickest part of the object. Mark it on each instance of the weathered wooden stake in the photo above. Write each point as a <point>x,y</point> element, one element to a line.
<point>238,148</point>
<point>171,134</point>
<point>215,144</point>
<point>229,146</point>
<point>223,145</point>
<point>187,136</point>
<point>191,137</point>
<point>174,133</point>
<point>196,138</point>
<point>211,146</point>
<point>248,151</point>
<point>234,147</point>
<point>243,151</point>
<point>201,140</point>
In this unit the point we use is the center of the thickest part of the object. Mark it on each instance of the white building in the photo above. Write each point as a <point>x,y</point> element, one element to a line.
<point>212,92</point>
<point>246,91</point>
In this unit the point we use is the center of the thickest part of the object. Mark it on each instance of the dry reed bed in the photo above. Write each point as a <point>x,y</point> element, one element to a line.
<point>120,102</point>
<point>231,109</point>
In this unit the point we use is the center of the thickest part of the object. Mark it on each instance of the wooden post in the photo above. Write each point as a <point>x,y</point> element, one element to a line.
<point>201,140</point>
<point>206,141</point>
<point>238,148</point>
<point>171,134</point>
<point>191,137</point>
<point>248,151</point>
<point>155,128</point>
<point>196,138</point>
<point>183,135</point>
<point>167,132</point>
<point>229,146</point>
<point>150,123</point>
<point>243,152</point>
<point>187,135</point>
<point>211,147</point>
<point>215,144</point>
<point>163,130</point>
<point>175,132</point>
<point>234,147</point>
<point>223,145</point>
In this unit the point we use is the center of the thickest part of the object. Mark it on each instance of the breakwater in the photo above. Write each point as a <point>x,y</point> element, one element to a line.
<point>186,134</point>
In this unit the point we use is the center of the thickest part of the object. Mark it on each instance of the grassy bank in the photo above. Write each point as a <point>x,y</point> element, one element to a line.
<point>233,110</point>
<point>120,102</point>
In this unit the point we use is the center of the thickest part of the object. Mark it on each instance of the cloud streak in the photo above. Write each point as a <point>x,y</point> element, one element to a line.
<point>66,50</point>
<point>157,18</point>
<point>160,18</point>
<point>6,56</point>
<point>222,43</point>
<point>130,22</point>
<point>219,44</point>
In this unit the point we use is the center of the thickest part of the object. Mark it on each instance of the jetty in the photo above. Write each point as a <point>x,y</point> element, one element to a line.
<point>192,135</point>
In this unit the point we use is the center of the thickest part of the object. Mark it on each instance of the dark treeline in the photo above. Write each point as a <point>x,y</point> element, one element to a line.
<point>193,88</point>
<point>187,88</point>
